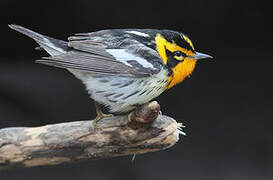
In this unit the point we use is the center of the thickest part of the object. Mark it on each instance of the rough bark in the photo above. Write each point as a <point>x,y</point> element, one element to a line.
<point>75,141</point>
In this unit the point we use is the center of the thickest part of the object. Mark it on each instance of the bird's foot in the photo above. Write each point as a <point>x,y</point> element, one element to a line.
<point>101,116</point>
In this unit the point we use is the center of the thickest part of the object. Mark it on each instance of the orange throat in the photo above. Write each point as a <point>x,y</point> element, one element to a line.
<point>181,71</point>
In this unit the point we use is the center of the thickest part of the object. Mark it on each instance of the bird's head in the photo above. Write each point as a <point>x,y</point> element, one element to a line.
<point>178,53</point>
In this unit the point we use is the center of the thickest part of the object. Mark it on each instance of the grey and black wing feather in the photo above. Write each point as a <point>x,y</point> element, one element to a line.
<point>90,62</point>
<point>83,52</point>
<point>92,56</point>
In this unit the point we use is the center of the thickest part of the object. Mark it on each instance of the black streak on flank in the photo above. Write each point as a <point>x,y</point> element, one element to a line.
<point>112,101</point>
<point>100,91</point>
<point>127,84</point>
<point>163,81</point>
<point>130,95</point>
<point>109,94</point>
<point>116,84</point>
<point>158,88</point>
<point>149,91</point>
<point>118,95</point>
<point>104,80</point>
<point>143,92</point>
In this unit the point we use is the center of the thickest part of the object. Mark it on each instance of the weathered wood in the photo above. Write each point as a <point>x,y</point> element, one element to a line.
<point>74,141</point>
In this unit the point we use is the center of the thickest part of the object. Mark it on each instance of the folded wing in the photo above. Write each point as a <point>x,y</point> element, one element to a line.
<point>96,57</point>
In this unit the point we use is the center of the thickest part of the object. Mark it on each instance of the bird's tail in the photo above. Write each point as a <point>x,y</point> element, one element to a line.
<point>50,45</point>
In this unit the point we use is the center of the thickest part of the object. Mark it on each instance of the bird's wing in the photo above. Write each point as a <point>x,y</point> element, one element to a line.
<point>97,56</point>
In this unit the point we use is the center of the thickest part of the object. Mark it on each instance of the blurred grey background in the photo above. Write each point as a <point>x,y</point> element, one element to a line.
<point>226,105</point>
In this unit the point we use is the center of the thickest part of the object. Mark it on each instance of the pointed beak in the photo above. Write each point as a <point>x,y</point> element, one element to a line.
<point>199,55</point>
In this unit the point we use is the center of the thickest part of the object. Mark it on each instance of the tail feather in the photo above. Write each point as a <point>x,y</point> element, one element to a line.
<point>50,45</point>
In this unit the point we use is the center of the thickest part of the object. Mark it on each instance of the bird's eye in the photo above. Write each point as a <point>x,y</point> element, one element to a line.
<point>178,55</point>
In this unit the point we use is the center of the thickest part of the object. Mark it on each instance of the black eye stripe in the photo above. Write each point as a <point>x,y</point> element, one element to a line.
<point>171,60</point>
<point>168,53</point>
<point>175,53</point>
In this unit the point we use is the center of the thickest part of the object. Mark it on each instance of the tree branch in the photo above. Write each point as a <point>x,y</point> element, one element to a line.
<point>144,131</point>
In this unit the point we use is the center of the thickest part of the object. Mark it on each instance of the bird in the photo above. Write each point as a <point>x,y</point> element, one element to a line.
<point>121,68</point>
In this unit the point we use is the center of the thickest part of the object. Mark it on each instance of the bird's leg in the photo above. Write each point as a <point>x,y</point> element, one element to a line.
<point>100,115</point>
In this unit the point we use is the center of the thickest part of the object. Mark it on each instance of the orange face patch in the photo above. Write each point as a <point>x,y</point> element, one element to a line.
<point>184,68</point>
<point>181,71</point>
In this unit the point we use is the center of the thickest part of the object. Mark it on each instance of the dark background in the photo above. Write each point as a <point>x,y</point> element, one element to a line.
<point>226,104</point>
